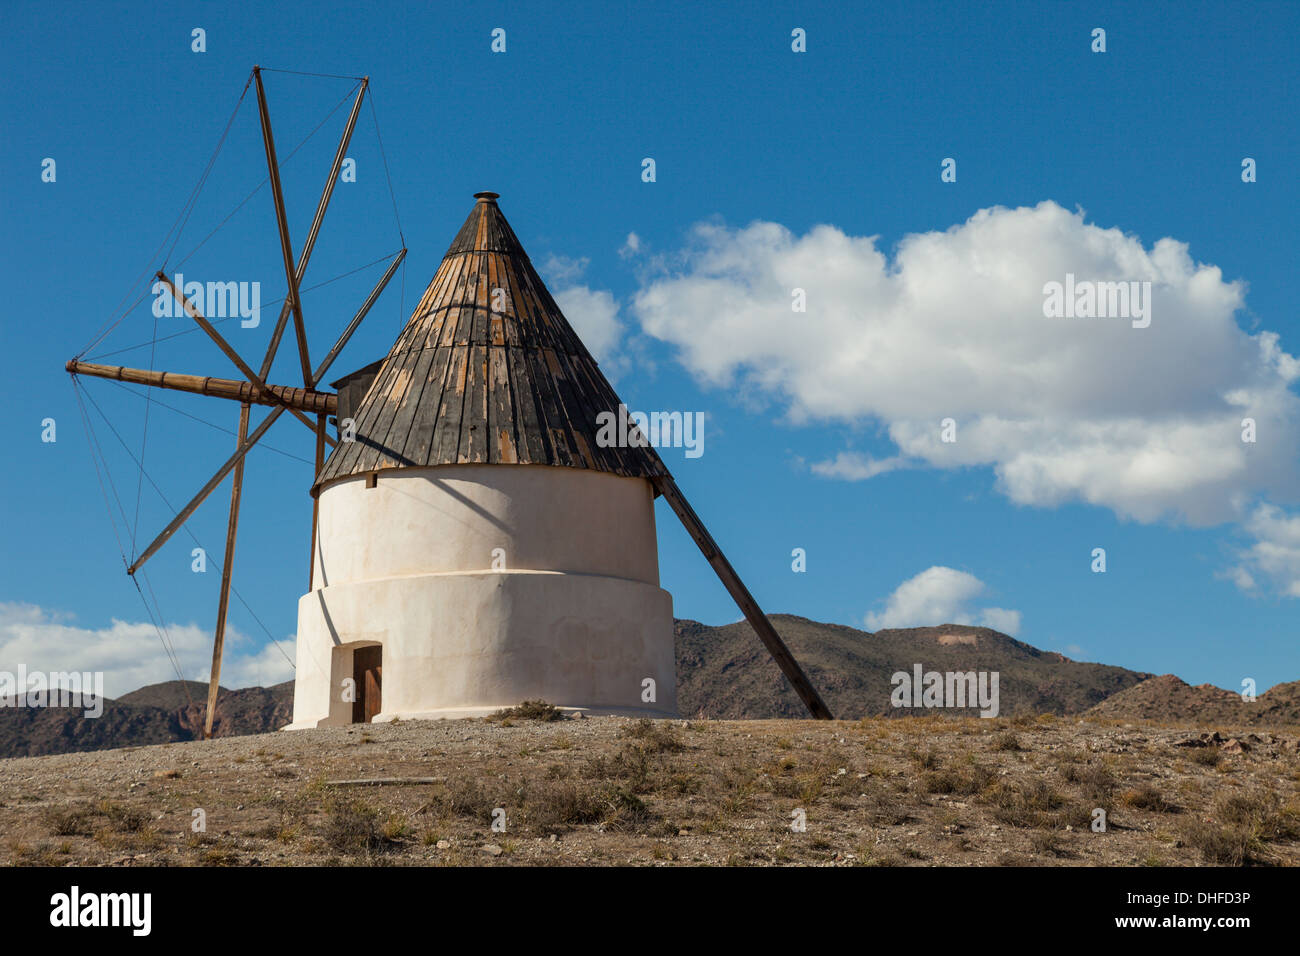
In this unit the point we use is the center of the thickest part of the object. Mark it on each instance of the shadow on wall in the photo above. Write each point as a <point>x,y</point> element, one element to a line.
<point>451,492</point>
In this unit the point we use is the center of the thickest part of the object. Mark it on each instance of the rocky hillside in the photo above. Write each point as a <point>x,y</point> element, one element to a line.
<point>725,673</point>
<point>1168,699</point>
<point>160,713</point>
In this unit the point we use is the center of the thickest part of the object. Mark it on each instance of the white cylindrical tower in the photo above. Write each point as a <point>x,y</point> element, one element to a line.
<point>477,546</point>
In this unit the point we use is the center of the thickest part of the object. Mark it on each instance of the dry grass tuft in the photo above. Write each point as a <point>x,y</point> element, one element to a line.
<point>530,710</point>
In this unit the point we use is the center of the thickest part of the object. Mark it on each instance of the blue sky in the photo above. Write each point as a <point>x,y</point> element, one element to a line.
<point>1141,143</point>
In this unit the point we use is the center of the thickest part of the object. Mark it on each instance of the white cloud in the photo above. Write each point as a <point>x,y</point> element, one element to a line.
<point>1275,555</point>
<point>594,316</point>
<point>1239,576</point>
<point>1000,619</point>
<point>631,246</point>
<point>852,466</point>
<point>129,653</point>
<point>941,595</point>
<point>563,270</point>
<point>1144,421</point>
<point>593,313</point>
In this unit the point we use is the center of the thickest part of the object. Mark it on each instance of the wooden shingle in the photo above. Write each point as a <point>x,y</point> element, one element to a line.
<point>481,376</point>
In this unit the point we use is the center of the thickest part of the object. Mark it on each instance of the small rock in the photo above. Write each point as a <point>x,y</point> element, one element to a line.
<point>493,850</point>
<point>444,844</point>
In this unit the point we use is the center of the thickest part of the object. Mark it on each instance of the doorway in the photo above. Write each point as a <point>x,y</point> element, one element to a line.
<point>367,671</point>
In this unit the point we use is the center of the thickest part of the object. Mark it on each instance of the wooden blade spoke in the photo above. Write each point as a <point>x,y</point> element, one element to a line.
<point>207,489</point>
<point>192,311</point>
<point>305,255</point>
<point>282,223</point>
<point>356,322</point>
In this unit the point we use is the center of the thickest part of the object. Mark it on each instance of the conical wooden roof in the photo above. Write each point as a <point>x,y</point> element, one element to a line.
<point>479,376</point>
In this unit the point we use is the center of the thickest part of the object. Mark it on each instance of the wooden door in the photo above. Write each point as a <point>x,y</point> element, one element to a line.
<point>367,671</point>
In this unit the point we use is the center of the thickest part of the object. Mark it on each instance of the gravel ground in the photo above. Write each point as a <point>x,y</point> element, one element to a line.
<point>612,791</point>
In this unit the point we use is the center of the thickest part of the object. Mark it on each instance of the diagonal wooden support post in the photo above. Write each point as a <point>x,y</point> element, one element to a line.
<point>744,600</point>
<point>227,566</point>
<point>315,500</point>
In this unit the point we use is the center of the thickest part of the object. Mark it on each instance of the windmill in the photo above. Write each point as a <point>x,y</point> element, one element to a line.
<point>476,540</point>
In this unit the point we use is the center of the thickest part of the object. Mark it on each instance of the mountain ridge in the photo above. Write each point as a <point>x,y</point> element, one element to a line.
<point>724,672</point>
<point>853,669</point>
<point>1170,699</point>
